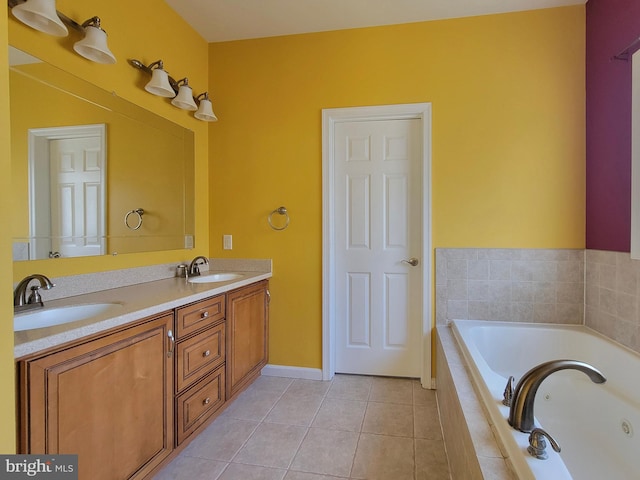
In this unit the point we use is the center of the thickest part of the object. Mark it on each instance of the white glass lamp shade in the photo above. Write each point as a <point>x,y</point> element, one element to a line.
<point>94,46</point>
<point>184,99</point>
<point>205,111</point>
<point>41,15</point>
<point>159,84</point>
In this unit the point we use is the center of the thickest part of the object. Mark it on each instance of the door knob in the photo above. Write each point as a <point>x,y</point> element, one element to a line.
<point>413,261</point>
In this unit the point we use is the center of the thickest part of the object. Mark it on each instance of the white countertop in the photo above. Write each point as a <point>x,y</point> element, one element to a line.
<point>138,301</point>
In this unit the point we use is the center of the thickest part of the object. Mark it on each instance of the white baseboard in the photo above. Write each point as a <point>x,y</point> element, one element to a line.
<point>292,372</point>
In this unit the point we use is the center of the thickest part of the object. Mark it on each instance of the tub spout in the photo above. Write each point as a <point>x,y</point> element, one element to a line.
<point>521,411</point>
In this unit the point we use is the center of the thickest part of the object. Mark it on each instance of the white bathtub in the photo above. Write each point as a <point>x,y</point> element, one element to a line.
<point>596,425</point>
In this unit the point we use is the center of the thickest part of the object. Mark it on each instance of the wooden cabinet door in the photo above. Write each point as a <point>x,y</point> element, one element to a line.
<point>108,400</point>
<point>247,335</point>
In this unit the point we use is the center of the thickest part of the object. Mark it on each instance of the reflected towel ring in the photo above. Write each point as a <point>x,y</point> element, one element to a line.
<point>279,211</point>
<point>139,212</point>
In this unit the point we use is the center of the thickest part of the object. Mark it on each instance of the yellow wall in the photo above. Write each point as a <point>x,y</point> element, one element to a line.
<point>147,30</point>
<point>508,141</point>
<point>7,397</point>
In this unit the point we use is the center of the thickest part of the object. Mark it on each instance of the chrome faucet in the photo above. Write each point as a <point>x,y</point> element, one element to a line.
<point>194,266</point>
<point>20,299</point>
<point>521,410</point>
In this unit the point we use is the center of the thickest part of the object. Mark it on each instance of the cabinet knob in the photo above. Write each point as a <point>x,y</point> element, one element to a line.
<point>206,401</point>
<point>205,314</point>
<point>206,353</point>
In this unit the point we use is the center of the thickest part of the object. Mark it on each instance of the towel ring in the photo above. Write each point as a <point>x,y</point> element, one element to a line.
<point>279,211</point>
<point>137,211</point>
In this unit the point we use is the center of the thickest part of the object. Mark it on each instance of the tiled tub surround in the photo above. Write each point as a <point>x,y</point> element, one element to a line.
<point>521,285</point>
<point>468,287</point>
<point>612,296</point>
<point>473,449</point>
<point>141,292</point>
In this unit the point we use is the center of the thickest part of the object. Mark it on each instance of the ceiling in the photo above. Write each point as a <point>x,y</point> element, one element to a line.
<point>225,20</point>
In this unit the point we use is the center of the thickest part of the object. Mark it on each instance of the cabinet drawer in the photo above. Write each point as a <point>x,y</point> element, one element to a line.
<point>198,403</point>
<point>194,317</point>
<point>199,355</point>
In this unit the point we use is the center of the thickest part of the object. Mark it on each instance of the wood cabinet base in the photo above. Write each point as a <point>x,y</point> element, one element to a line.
<point>71,407</point>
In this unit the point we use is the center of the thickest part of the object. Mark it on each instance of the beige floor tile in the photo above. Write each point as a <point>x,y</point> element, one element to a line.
<point>361,427</point>
<point>271,445</point>
<point>423,396</point>
<point>431,460</point>
<point>236,471</point>
<point>189,468</point>
<point>381,457</point>
<point>351,387</point>
<point>388,419</point>
<point>295,409</point>
<point>327,452</point>
<point>222,439</point>
<point>308,387</point>
<point>291,475</point>
<point>252,404</point>
<point>340,414</point>
<point>271,384</point>
<point>392,390</point>
<point>426,422</point>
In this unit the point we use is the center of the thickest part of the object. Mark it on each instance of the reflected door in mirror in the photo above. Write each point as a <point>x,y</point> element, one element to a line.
<point>68,191</point>
<point>76,197</point>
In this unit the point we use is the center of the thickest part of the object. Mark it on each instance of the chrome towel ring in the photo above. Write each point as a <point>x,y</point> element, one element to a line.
<point>279,211</point>
<point>139,212</point>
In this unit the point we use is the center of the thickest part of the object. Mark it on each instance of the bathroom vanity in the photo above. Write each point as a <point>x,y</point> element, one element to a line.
<point>128,397</point>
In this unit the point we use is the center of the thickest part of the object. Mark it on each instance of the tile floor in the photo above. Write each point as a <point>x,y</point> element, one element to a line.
<point>352,427</point>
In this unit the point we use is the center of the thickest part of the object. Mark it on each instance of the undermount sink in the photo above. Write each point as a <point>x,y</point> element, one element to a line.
<point>48,317</point>
<point>216,277</point>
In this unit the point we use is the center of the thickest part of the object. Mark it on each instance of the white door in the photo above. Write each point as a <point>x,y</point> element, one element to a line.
<point>76,196</point>
<point>378,210</point>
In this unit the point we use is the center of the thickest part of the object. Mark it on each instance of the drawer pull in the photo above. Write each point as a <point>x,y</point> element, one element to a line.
<point>206,353</point>
<point>172,343</point>
<point>205,314</point>
<point>206,401</point>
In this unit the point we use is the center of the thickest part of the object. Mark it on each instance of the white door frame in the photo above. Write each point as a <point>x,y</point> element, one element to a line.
<point>422,112</point>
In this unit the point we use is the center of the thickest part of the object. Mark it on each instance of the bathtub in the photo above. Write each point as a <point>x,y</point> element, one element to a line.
<point>593,423</point>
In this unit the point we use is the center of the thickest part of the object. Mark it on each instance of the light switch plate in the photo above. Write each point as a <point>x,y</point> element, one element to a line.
<point>188,241</point>
<point>227,242</point>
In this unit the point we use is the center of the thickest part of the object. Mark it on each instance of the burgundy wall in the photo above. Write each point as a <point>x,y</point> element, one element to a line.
<point>612,25</point>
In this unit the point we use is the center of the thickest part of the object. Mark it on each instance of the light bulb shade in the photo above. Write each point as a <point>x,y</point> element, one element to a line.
<point>159,84</point>
<point>184,99</point>
<point>94,46</point>
<point>41,15</point>
<point>205,111</point>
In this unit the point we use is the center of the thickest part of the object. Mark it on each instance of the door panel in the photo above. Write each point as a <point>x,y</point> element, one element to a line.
<point>76,196</point>
<point>378,184</point>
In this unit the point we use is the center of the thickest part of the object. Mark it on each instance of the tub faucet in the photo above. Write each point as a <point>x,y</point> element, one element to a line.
<point>194,266</point>
<point>20,299</point>
<point>521,410</point>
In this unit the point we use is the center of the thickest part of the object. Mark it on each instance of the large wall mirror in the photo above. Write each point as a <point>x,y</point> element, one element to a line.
<point>93,174</point>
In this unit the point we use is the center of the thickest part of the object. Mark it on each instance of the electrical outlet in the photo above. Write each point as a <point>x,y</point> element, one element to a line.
<point>188,241</point>
<point>227,242</point>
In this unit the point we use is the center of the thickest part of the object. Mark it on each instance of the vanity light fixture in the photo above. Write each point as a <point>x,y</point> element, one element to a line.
<point>163,85</point>
<point>94,44</point>
<point>184,99</point>
<point>41,15</point>
<point>205,109</point>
